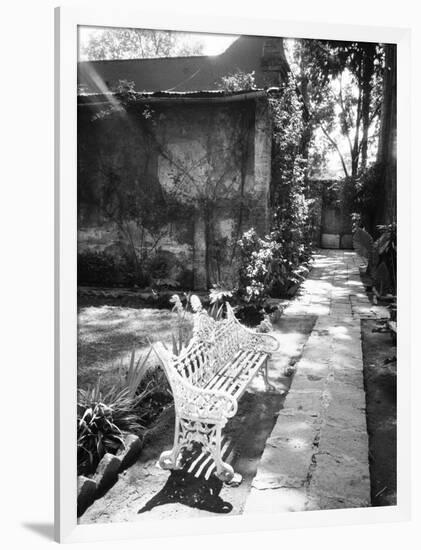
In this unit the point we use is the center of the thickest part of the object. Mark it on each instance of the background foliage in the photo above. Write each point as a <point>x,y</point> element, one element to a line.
<point>137,43</point>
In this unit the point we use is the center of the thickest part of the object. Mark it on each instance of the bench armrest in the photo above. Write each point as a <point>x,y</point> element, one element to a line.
<point>191,402</point>
<point>260,341</point>
<point>213,406</point>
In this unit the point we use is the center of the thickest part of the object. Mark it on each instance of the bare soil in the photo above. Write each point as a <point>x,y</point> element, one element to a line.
<point>379,355</point>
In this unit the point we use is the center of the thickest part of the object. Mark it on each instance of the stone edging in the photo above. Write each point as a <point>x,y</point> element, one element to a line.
<point>91,488</point>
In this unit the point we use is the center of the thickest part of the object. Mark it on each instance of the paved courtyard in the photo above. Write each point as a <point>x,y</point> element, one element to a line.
<point>317,454</point>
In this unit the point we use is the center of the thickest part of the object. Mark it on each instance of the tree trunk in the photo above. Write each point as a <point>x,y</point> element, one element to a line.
<point>368,70</point>
<point>386,155</point>
<point>355,150</point>
<point>306,137</point>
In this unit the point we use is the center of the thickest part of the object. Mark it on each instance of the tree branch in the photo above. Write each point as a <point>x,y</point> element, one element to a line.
<point>346,127</point>
<point>335,145</point>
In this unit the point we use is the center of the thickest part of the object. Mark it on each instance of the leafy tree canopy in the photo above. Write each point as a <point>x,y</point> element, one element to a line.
<point>238,81</point>
<point>340,84</point>
<point>137,43</point>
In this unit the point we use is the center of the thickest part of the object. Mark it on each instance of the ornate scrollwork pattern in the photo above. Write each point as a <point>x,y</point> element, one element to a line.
<point>204,327</point>
<point>208,435</point>
<point>197,403</point>
<point>256,341</point>
<point>250,339</point>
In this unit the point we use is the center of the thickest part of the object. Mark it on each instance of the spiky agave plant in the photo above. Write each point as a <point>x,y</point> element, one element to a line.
<point>132,376</point>
<point>103,420</point>
<point>147,386</point>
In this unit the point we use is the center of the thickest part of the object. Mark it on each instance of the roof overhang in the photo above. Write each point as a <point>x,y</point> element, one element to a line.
<point>211,96</point>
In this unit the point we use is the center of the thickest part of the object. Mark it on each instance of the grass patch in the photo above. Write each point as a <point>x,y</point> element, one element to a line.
<point>107,334</point>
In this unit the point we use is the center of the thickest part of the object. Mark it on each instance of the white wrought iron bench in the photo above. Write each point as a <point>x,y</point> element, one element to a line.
<point>207,380</point>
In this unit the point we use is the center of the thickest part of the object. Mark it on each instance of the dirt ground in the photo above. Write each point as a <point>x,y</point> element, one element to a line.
<point>156,493</point>
<point>379,355</point>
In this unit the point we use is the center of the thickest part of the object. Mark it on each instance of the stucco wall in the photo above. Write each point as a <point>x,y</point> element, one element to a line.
<point>189,179</point>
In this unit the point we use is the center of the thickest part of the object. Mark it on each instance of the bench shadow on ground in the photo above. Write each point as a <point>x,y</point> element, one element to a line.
<point>256,415</point>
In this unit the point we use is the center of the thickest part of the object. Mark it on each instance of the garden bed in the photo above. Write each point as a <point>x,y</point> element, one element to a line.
<point>121,390</point>
<point>130,297</point>
<point>379,356</point>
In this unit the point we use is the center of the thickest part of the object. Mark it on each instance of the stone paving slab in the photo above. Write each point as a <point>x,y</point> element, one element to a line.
<point>317,455</point>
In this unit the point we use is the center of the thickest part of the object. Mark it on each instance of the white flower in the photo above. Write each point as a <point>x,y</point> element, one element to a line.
<point>196,304</point>
<point>178,306</point>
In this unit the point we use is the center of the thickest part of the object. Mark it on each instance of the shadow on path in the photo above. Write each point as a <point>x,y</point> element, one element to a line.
<point>185,488</point>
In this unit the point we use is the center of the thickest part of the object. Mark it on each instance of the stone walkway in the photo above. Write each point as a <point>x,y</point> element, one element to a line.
<point>317,455</point>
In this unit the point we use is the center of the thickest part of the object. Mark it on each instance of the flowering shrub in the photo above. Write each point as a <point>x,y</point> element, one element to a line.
<point>257,256</point>
<point>276,263</point>
<point>266,267</point>
<point>292,223</point>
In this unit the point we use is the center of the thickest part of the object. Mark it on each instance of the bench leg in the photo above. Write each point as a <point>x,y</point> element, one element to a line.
<point>209,436</point>
<point>269,386</point>
<point>224,471</point>
<point>169,459</point>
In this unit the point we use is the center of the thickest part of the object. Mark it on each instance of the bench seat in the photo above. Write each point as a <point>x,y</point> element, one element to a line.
<point>236,375</point>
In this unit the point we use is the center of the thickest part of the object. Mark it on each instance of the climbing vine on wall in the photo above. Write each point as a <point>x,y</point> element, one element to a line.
<point>136,165</point>
<point>275,264</point>
<point>291,225</point>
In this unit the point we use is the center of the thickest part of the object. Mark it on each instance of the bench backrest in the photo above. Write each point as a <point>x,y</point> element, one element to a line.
<point>213,345</point>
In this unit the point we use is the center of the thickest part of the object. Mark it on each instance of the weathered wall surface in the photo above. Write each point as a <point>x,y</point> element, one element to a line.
<point>180,178</point>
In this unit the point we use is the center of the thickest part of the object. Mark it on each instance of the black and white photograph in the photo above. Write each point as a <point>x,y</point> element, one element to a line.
<point>236,274</point>
<point>210,240</point>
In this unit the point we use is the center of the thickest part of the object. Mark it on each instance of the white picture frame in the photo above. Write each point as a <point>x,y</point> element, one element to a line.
<point>66,22</point>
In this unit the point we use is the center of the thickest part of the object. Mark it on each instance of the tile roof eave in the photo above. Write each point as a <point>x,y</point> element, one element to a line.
<point>204,96</point>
